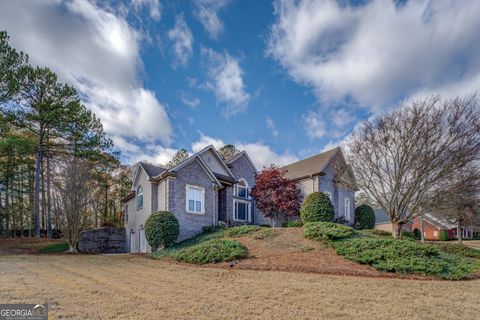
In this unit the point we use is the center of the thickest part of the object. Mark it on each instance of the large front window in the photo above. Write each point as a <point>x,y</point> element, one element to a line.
<point>241,210</point>
<point>195,199</point>
<point>139,197</point>
<point>241,189</point>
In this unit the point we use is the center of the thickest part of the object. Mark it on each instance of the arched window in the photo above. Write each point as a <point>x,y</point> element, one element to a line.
<point>139,197</point>
<point>242,189</point>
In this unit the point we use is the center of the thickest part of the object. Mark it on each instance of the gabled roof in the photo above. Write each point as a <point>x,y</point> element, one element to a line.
<point>239,155</point>
<point>151,170</point>
<point>439,222</point>
<point>310,166</point>
<point>381,216</point>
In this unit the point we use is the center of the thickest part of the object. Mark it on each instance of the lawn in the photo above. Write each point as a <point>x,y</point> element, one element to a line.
<point>129,286</point>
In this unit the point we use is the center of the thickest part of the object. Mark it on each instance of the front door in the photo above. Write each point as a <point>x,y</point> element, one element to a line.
<point>132,242</point>
<point>143,241</point>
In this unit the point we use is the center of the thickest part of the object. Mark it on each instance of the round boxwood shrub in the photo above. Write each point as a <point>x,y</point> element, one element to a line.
<point>161,229</point>
<point>364,217</point>
<point>326,231</point>
<point>317,208</point>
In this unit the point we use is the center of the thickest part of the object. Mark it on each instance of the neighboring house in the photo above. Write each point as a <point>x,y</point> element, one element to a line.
<point>382,222</point>
<point>432,226</point>
<point>200,191</point>
<point>327,172</point>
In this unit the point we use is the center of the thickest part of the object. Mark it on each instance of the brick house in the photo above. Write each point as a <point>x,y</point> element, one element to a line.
<point>432,226</point>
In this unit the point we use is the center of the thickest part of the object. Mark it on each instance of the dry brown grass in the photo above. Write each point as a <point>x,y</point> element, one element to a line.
<point>127,287</point>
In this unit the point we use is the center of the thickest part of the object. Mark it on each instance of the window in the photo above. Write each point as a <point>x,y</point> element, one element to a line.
<point>435,233</point>
<point>241,210</point>
<point>125,213</point>
<point>139,197</point>
<point>241,189</point>
<point>195,199</point>
<point>347,209</point>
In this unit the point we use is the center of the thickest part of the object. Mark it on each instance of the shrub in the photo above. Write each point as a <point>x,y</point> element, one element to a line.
<point>326,230</point>
<point>161,229</point>
<point>364,217</point>
<point>460,249</point>
<point>55,248</point>
<point>294,224</point>
<point>443,236</point>
<point>240,231</point>
<point>212,251</point>
<point>317,208</point>
<point>406,257</point>
<point>417,235</point>
<point>407,235</point>
<point>211,228</point>
<point>375,233</point>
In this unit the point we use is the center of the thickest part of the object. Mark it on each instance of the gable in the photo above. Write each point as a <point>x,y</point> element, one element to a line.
<point>139,175</point>
<point>195,168</point>
<point>214,163</point>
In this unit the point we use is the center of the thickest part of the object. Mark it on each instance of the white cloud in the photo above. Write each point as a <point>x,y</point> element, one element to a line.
<point>205,141</point>
<point>315,126</point>
<point>261,154</point>
<point>206,12</point>
<point>189,100</point>
<point>225,80</point>
<point>271,125</point>
<point>182,39</point>
<point>153,6</point>
<point>98,53</point>
<point>379,52</point>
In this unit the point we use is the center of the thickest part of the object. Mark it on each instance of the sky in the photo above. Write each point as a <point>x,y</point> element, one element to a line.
<point>280,79</point>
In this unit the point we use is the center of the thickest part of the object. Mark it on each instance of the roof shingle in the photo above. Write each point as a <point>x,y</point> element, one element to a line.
<point>312,165</point>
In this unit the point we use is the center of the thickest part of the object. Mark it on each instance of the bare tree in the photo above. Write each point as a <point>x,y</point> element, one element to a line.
<point>401,158</point>
<point>459,197</point>
<point>71,199</point>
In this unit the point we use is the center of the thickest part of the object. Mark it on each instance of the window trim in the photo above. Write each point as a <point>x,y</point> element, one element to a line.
<point>198,188</point>
<point>246,187</point>
<point>345,215</point>
<point>138,194</point>
<point>249,210</point>
<point>125,213</point>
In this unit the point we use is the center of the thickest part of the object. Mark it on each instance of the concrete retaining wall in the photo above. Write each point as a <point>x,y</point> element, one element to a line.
<point>103,240</point>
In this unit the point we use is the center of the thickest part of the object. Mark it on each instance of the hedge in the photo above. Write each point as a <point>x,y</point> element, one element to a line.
<point>364,217</point>
<point>326,231</point>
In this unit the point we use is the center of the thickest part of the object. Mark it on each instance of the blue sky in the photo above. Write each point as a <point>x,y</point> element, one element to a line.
<point>282,79</point>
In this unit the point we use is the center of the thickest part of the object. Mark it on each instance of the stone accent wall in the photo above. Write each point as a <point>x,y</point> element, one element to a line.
<point>103,240</point>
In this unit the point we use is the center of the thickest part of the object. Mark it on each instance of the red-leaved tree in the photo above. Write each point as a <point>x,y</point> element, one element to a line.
<point>275,194</point>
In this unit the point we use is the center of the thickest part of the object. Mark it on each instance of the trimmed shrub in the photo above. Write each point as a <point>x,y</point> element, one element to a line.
<point>161,229</point>
<point>294,224</point>
<point>240,231</point>
<point>364,217</point>
<point>317,208</point>
<point>404,256</point>
<point>443,236</point>
<point>460,249</point>
<point>326,231</point>
<point>55,248</point>
<point>375,233</point>
<point>417,235</point>
<point>212,251</point>
<point>407,235</point>
<point>211,228</point>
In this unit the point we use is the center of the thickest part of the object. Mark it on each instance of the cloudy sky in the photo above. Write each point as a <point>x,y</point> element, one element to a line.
<point>282,80</point>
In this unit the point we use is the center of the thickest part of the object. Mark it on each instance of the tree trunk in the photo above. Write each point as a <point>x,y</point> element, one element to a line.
<point>36,188</point>
<point>459,232</point>
<point>7,203</point>
<point>49,199</point>
<point>42,191</point>
<point>422,234</point>
<point>397,230</point>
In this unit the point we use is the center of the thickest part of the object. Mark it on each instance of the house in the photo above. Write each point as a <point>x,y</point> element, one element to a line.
<point>200,191</point>
<point>327,172</point>
<point>205,190</point>
<point>383,222</point>
<point>433,224</point>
